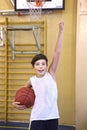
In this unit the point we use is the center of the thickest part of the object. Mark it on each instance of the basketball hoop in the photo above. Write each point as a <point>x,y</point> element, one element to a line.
<point>35,9</point>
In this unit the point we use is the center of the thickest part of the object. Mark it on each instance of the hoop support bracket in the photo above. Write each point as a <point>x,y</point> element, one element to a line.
<point>24,28</point>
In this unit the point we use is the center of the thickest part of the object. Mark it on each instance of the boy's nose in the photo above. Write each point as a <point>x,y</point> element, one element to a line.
<point>40,66</point>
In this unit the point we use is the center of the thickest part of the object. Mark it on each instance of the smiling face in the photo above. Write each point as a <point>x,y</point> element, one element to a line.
<point>40,67</point>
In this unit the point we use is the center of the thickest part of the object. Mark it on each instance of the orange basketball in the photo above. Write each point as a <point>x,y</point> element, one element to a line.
<point>25,96</point>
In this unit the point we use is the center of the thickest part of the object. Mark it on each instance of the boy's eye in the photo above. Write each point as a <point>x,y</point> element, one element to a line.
<point>43,63</point>
<point>40,64</point>
<point>37,63</point>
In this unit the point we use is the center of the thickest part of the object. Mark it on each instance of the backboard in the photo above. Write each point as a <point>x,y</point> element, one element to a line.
<point>21,5</point>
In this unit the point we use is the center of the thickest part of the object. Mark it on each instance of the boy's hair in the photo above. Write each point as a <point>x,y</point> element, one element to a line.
<point>38,57</point>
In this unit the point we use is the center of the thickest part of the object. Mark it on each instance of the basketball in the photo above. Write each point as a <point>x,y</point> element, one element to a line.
<point>25,96</point>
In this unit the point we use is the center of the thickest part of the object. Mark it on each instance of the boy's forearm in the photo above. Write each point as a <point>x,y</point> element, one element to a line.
<point>59,42</point>
<point>57,50</point>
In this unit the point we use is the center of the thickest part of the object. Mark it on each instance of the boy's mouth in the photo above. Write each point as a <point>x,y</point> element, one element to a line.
<point>40,71</point>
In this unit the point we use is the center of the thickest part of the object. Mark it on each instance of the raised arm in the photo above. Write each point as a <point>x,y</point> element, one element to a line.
<point>55,60</point>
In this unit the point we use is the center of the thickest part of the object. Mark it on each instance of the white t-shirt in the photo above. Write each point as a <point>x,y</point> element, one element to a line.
<point>45,106</point>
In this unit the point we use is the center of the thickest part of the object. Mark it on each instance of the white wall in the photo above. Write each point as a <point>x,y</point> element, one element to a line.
<point>81,71</point>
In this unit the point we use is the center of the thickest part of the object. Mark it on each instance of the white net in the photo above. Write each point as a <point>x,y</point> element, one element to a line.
<point>35,12</point>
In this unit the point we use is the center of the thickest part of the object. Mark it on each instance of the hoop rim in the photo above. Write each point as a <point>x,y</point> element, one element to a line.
<point>35,4</point>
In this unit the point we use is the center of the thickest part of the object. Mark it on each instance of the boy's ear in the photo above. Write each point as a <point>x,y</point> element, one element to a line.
<point>47,64</point>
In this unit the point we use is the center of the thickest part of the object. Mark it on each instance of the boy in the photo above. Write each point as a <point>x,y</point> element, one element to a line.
<point>44,114</point>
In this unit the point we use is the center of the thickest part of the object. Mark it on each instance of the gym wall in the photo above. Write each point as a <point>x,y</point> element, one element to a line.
<point>66,70</point>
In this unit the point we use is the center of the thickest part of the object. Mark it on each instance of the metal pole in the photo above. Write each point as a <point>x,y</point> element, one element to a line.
<point>6,74</point>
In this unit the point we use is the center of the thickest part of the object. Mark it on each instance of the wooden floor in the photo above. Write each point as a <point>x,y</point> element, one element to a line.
<point>60,128</point>
<point>24,126</point>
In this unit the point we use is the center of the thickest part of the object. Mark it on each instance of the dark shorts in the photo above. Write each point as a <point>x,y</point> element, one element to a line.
<point>44,125</point>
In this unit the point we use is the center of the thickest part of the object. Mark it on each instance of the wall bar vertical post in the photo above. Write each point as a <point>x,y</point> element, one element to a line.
<point>6,74</point>
<point>45,36</point>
